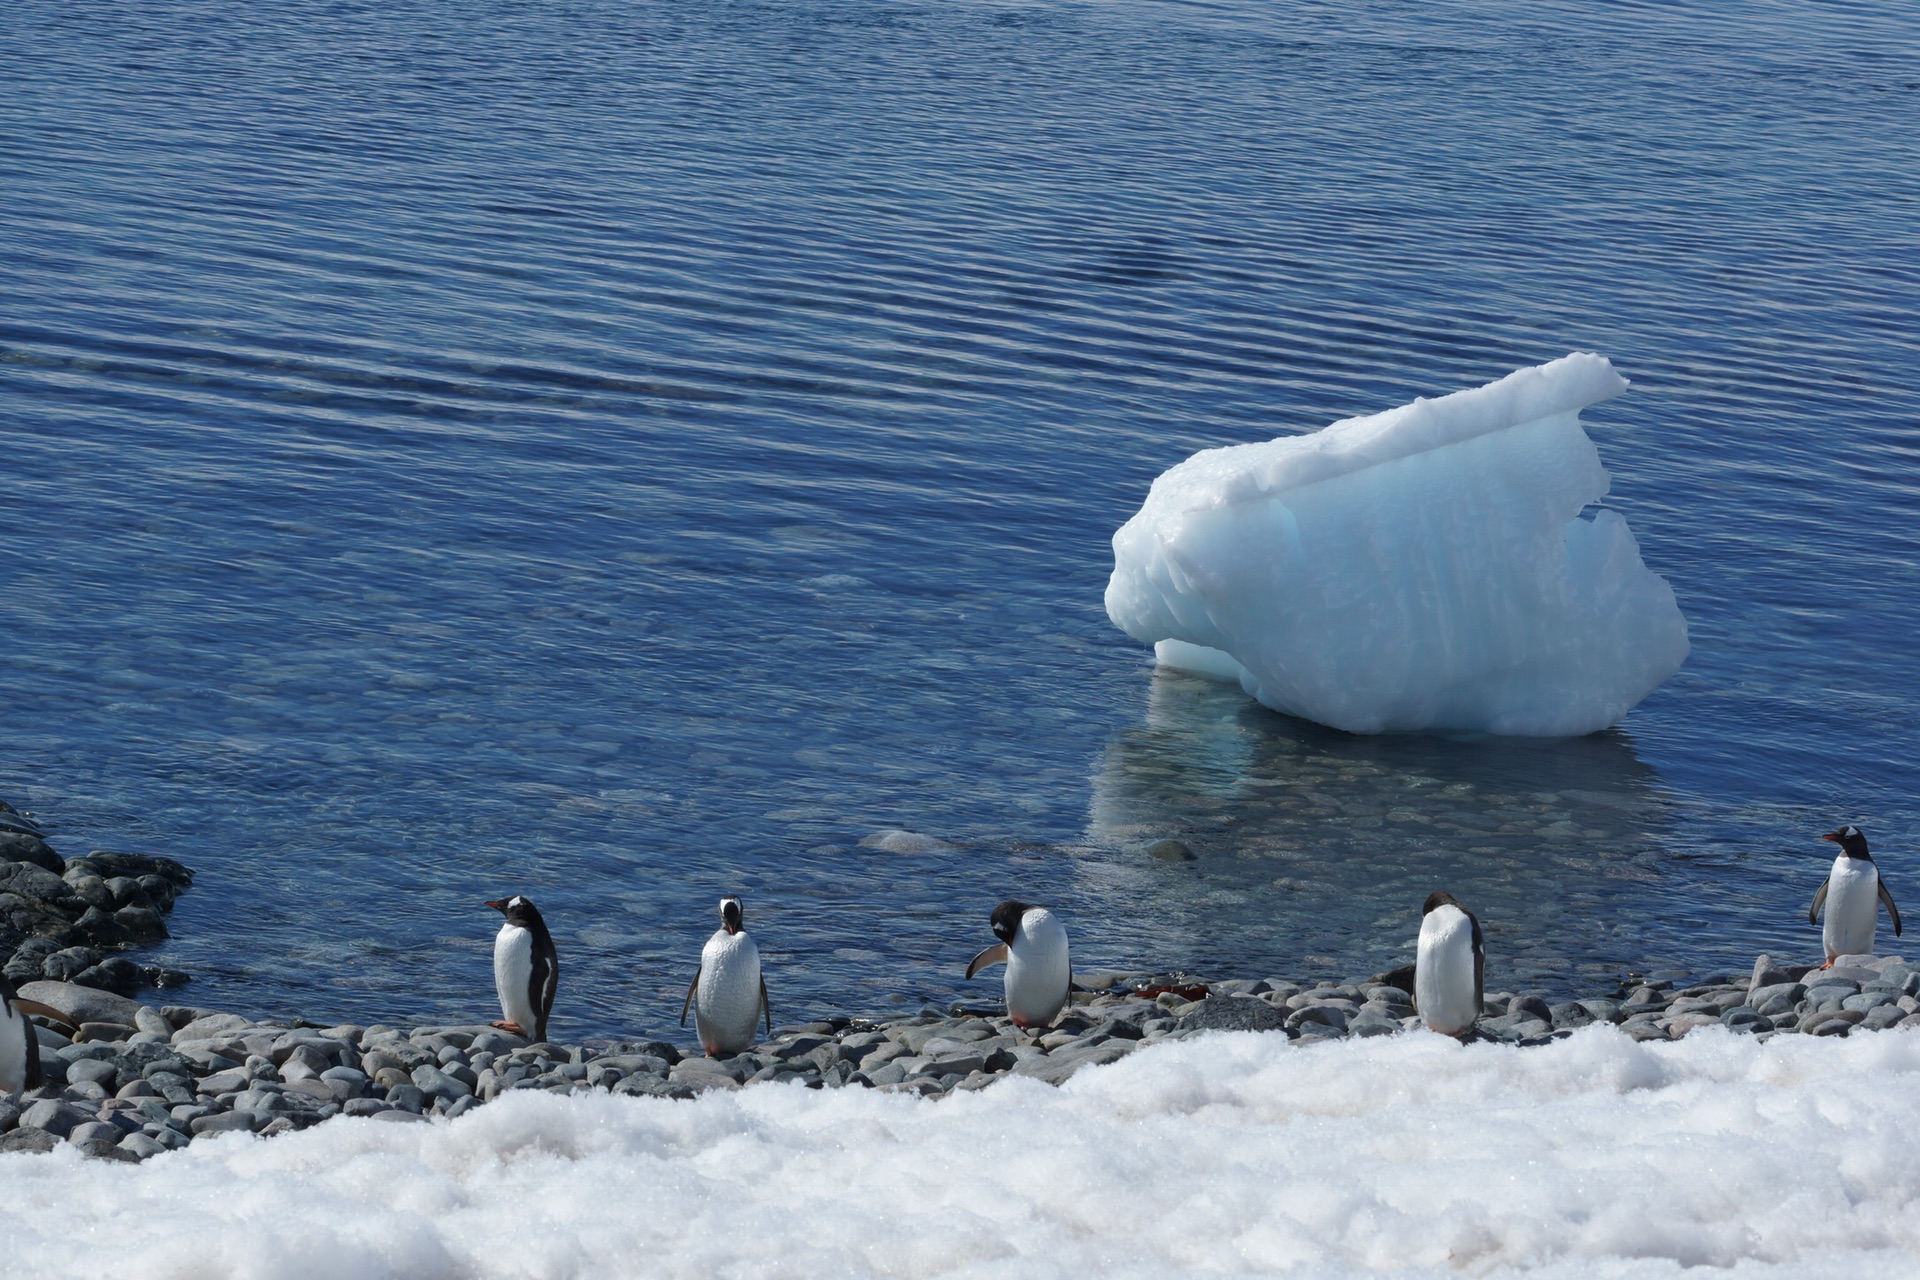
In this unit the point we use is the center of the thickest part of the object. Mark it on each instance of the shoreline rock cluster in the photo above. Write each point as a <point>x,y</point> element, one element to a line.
<point>136,1080</point>
<point>68,919</point>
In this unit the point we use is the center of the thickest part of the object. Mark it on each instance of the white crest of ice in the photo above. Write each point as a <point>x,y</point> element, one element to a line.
<point>1229,1154</point>
<point>1423,568</point>
<point>897,841</point>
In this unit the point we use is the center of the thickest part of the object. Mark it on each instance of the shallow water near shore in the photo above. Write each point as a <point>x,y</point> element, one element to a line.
<point>626,455</point>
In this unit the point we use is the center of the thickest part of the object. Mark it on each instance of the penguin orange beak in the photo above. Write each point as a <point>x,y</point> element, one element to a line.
<point>499,905</point>
<point>1833,836</point>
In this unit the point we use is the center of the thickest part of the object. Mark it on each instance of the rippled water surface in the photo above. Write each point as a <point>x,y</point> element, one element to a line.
<point>627,452</point>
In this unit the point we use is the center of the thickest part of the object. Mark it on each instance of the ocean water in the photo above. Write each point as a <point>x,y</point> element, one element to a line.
<point>626,453</point>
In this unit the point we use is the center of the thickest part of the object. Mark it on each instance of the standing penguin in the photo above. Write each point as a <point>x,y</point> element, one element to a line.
<point>1449,969</point>
<point>728,995</point>
<point>19,1045</point>
<point>526,969</point>
<point>1852,894</point>
<point>1033,943</point>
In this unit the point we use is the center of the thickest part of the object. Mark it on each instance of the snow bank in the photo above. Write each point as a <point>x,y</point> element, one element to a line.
<point>1422,568</point>
<point>1235,1153</point>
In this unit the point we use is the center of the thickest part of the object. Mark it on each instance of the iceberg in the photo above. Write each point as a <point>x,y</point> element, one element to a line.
<point>1438,566</point>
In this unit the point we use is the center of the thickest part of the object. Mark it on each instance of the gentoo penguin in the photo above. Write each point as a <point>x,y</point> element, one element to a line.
<point>526,969</point>
<point>1033,943</point>
<point>728,995</point>
<point>1449,969</point>
<point>1852,895</point>
<point>19,1046</point>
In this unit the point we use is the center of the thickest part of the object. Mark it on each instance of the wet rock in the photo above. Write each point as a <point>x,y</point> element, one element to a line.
<point>435,1083</point>
<point>1883,1016</point>
<point>69,963</point>
<point>1057,1068</point>
<point>141,924</point>
<point>1777,998</point>
<point>1514,1027</point>
<point>1679,1024</point>
<point>1170,851</point>
<point>140,1146</point>
<point>80,1004</point>
<point>706,1073</point>
<point>115,973</point>
<point>25,1139</point>
<point>226,1122</point>
<point>1603,1010</point>
<point>1569,1015</point>
<point>27,847</point>
<point>1766,974</point>
<point>1233,1013</point>
<point>1831,1022</point>
<point>1533,1006</point>
<point>34,883</point>
<point>53,1116</point>
<point>1318,1015</point>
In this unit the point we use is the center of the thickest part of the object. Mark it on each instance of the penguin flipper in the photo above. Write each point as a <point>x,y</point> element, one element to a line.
<point>39,1010</point>
<point>995,954</point>
<point>766,1007</point>
<point>1819,899</point>
<point>1479,968</point>
<point>1892,910</point>
<point>691,988</point>
<point>546,981</point>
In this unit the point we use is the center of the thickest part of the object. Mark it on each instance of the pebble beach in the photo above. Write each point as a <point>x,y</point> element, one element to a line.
<point>137,1078</point>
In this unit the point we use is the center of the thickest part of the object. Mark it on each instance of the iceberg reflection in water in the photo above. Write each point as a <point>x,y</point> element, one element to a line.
<point>1314,848</point>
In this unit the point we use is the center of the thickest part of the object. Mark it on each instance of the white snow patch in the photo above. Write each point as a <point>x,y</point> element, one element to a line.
<point>1231,1153</point>
<point>1423,568</point>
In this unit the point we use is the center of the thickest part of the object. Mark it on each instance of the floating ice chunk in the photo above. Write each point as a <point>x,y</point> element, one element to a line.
<point>1424,568</point>
<point>897,841</point>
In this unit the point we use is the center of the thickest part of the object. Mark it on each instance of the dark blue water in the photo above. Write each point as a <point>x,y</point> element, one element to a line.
<point>630,452</point>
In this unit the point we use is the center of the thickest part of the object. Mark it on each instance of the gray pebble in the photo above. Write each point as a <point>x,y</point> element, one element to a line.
<point>226,1122</point>
<point>140,1146</point>
<point>54,1117</point>
<point>94,1131</point>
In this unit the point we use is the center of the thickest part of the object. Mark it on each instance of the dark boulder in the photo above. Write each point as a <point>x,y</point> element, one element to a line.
<point>20,846</point>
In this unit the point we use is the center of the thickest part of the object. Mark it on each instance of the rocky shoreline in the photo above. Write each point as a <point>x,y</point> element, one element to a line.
<point>134,1079</point>
<point>67,919</point>
<point>138,1080</point>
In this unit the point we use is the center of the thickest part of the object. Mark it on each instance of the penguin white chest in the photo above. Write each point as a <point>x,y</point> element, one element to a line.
<point>1853,907</point>
<point>1039,973</point>
<point>726,1004</point>
<point>14,1030</point>
<point>1443,978</point>
<point>513,976</point>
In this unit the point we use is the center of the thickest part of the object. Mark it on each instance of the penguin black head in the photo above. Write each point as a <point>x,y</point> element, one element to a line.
<point>1851,842</point>
<point>1006,919</point>
<point>1441,898</point>
<point>732,915</point>
<point>521,911</point>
